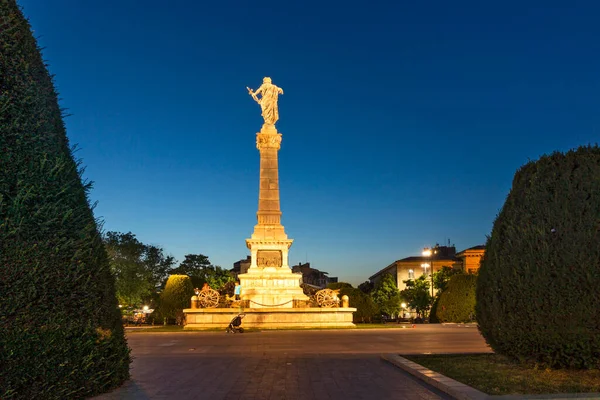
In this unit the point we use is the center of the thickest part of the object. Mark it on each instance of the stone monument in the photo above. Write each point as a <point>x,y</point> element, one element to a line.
<point>271,295</point>
<point>269,281</point>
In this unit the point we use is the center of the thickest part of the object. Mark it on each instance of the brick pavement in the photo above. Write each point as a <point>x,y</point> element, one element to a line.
<point>284,364</point>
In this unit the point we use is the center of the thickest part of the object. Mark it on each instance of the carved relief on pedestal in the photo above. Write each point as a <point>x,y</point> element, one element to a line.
<point>268,258</point>
<point>269,219</point>
<point>268,140</point>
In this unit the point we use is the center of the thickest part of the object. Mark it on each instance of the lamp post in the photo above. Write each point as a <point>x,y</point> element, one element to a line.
<point>428,253</point>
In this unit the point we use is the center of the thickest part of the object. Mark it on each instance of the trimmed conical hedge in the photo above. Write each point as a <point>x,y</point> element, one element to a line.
<point>61,335</point>
<point>176,296</point>
<point>538,292</point>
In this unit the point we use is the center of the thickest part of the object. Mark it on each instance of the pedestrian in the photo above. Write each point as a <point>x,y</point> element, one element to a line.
<point>237,291</point>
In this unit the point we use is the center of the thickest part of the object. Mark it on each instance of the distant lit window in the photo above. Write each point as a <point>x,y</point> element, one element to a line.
<point>411,274</point>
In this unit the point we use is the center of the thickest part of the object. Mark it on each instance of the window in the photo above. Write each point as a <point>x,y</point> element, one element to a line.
<point>411,274</point>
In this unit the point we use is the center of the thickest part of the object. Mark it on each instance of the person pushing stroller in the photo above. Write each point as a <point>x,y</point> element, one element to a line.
<point>234,325</point>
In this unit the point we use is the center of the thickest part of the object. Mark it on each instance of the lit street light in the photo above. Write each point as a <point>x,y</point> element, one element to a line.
<point>429,253</point>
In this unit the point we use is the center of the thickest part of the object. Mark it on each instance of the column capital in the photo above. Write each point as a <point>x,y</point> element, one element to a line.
<point>268,140</point>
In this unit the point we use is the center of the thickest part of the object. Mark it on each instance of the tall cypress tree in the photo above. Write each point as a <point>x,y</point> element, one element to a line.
<point>60,328</point>
<point>537,290</point>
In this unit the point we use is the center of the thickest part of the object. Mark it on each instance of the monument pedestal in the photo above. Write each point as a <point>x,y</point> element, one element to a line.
<point>271,287</point>
<point>270,318</point>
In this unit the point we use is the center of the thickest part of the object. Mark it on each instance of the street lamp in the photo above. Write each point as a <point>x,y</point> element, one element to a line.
<point>425,266</point>
<point>429,254</point>
<point>403,305</point>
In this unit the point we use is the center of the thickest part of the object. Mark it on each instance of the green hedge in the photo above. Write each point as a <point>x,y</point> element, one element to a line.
<point>366,309</point>
<point>457,301</point>
<point>433,318</point>
<point>176,296</point>
<point>537,292</point>
<point>61,335</point>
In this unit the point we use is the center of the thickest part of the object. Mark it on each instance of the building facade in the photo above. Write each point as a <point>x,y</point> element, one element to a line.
<point>442,256</point>
<point>313,276</point>
<point>471,258</point>
<point>241,266</point>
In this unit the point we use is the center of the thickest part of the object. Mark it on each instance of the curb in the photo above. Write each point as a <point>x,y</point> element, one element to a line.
<point>447,385</point>
<point>461,391</point>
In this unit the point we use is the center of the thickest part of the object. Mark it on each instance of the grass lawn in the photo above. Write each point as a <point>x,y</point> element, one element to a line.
<point>497,375</point>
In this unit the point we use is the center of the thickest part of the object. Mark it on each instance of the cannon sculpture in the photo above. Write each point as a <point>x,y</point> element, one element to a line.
<point>327,298</point>
<point>208,298</point>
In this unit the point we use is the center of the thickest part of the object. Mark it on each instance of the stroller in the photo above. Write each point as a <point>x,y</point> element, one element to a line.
<point>234,325</point>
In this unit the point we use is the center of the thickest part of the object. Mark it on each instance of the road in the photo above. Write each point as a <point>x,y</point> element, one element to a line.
<point>315,364</point>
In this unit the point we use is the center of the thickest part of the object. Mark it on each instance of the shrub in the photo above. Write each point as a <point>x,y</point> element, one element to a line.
<point>61,334</point>
<point>176,296</point>
<point>537,292</point>
<point>457,302</point>
<point>433,318</point>
<point>366,309</point>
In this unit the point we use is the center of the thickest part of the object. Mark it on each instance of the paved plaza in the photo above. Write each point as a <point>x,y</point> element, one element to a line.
<point>316,364</point>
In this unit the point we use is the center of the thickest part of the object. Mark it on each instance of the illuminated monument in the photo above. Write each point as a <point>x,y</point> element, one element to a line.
<point>271,294</point>
<point>269,281</point>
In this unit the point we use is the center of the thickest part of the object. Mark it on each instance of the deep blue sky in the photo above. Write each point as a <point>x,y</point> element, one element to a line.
<point>403,122</point>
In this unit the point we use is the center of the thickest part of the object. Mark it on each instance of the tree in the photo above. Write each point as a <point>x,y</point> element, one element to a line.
<point>339,285</point>
<point>366,287</point>
<point>176,296</point>
<point>61,334</point>
<point>199,268</point>
<point>440,282</point>
<point>217,277</point>
<point>158,264</point>
<point>417,296</point>
<point>194,266</point>
<point>442,276</point>
<point>140,269</point>
<point>133,279</point>
<point>537,288</point>
<point>386,295</point>
<point>366,309</point>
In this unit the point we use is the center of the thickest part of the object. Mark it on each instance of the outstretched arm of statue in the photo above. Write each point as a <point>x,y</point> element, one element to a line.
<point>259,90</point>
<point>253,94</point>
<point>280,90</point>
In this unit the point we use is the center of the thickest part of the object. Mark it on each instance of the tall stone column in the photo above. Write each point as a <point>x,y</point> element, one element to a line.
<point>269,282</point>
<point>269,241</point>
